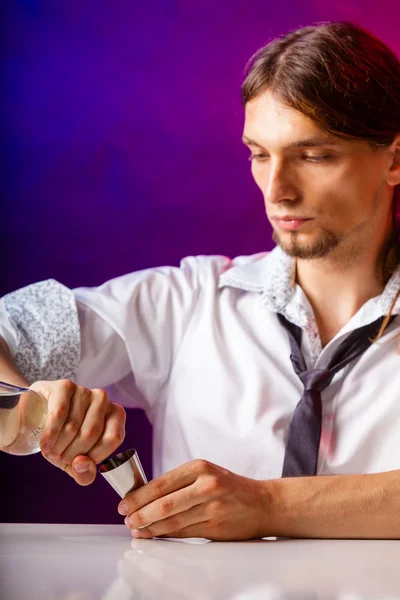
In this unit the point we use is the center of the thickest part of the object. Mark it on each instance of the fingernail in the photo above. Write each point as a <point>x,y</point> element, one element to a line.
<point>81,467</point>
<point>123,509</point>
<point>127,522</point>
<point>46,448</point>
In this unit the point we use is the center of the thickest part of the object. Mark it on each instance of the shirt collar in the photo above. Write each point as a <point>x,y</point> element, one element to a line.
<point>389,293</point>
<point>272,274</point>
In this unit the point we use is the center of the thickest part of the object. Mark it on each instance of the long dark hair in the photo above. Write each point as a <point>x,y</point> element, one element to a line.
<point>341,76</point>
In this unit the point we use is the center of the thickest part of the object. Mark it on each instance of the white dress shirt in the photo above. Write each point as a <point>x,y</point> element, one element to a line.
<point>200,349</point>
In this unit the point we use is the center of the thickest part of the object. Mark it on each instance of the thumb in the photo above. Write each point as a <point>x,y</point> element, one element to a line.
<point>83,470</point>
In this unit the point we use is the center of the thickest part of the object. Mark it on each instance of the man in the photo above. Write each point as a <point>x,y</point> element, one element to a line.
<point>288,358</point>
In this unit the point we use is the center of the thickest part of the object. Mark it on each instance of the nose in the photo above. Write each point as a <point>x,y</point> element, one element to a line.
<point>279,185</point>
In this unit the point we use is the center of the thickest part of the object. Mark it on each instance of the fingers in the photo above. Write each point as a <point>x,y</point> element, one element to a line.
<point>85,477</point>
<point>78,406</point>
<point>79,422</point>
<point>211,502</point>
<point>113,433</point>
<point>59,398</point>
<point>176,525</point>
<point>85,424</point>
<point>198,485</point>
<point>174,480</point>
<point>83,468</point>
<point>167,507</point>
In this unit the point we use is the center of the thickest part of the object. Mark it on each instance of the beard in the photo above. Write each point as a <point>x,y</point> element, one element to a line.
<point>318,248</point>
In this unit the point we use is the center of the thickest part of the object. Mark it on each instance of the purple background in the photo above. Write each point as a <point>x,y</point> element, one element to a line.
<point>121,150</point>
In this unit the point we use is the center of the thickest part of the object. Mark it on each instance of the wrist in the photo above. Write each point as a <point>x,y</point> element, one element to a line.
<point>277,513</point>
<point>288,506</point>
<point>8,370</point>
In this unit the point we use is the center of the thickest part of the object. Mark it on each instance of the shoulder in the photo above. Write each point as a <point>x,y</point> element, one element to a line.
<point>193,272</point>
<point>216,266</point>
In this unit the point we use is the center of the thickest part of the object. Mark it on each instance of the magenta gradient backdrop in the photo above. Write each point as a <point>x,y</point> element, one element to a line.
<point>121,125</point>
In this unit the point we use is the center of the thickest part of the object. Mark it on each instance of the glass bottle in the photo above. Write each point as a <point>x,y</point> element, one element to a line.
<point>22,419</point>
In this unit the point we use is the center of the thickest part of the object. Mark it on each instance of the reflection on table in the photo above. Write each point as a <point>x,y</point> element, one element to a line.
<point>91,562</point>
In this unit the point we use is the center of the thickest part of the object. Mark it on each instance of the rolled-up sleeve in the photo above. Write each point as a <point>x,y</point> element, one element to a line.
<point>40,325</point>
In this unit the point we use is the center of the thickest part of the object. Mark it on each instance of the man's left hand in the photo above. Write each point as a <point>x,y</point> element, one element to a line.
<point>199,499</point>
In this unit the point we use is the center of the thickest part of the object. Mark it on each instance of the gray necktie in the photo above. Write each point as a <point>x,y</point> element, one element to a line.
<point>301,454</point>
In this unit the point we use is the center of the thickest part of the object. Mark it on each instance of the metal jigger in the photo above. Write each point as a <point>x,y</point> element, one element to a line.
<point>123,472</point>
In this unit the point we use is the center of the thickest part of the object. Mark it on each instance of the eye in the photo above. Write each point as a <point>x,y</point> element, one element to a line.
<point>317,158</point>
<point>257,157</point>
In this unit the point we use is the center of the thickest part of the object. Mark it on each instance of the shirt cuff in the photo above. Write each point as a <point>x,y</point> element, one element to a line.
<point>41,328</point>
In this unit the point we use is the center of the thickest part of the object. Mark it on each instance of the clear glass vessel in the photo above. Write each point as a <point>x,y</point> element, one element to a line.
<point>22,419</point>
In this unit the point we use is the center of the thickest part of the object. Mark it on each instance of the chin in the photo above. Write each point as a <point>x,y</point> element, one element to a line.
<point>298,246</point>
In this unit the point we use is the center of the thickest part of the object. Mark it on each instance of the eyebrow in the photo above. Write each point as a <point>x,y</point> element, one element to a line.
<point>314,142</point>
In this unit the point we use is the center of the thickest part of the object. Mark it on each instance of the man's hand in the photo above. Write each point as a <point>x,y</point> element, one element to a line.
<point>199,499</point>
<point>82,428</point>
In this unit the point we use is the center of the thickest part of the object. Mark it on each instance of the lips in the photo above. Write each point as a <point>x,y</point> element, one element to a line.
<point>290,223</point>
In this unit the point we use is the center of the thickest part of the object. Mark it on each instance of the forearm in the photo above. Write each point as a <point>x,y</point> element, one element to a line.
<point>339,506</point>
<point>8,370</point>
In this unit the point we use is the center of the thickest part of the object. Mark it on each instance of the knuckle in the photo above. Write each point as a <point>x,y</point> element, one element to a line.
<point>60,412</point>
<point>165,507</point>
<point>99,392</point>
<point>211,484</point>
<point>159,486</point>
<point>50,433</point>
<point>132,506</point>
<point>66,458</point>
<point>100,396</point>
<point>54,456</point>
<point>202,466</point>
<point>81,397</point>
<point>174,524</point>
<point>141,520</point>
<point>66,385</point>
<point>119,436</point>
<point>119,411</point>
<point>114,438</point>
<point>90,433</point>
<point>71,428</point>
<point>82,392</point>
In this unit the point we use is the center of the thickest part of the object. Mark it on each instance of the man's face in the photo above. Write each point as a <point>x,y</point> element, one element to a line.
<point>321,193</point>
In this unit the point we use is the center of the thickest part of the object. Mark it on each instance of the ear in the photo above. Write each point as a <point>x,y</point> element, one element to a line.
<point>393,175</point>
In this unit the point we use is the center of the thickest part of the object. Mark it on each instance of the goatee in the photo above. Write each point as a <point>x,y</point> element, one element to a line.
<point>319,248</point>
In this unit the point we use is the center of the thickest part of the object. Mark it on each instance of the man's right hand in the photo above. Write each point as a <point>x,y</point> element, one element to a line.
<point>82,427</point>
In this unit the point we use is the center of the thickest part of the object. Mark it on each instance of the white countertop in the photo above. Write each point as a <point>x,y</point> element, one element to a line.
<point>88,562</point>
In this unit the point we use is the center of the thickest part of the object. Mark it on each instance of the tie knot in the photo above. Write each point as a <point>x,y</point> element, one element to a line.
<point>316,380</point>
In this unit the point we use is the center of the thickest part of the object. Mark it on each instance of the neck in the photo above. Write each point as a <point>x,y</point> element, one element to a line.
<point>338,286</point>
